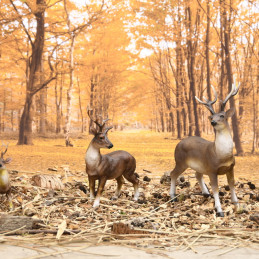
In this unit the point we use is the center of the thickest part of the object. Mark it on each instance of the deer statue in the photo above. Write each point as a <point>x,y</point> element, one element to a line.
<point>5,186</point>
<point>209,158</point>
<point>115,165</point>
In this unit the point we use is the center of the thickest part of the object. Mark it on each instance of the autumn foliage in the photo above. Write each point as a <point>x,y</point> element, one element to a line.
<point>140,62</point>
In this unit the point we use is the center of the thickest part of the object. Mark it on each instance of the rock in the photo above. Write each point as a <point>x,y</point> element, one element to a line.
<point>251,185</point>
<point>221,193</point>
<point>157,195</point>
<point>255,218</point>
<point>138,222</point>
<point>227,188</point>
<point>54,169</point>
<point>182,179</point>
<point>146,179</point>
<point>82,188</point>
<point>165,178</point>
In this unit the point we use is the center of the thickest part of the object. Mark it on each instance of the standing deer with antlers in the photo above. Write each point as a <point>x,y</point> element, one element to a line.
<point>115,165</point>
<point>210,158</point>
<point>5,186</point>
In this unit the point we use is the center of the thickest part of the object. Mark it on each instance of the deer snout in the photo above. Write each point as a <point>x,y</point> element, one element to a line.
<point>213,123</point>
<point>110,146</point>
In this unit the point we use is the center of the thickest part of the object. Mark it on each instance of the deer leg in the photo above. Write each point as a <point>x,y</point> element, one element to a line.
<point>120,181</point>
<point>203,187</point>
<point>231,183</point>
<point>101,185</point>
<point>91,187</point>
<point>214,187</point>
<point>178,170</point>
<point>131,177</point>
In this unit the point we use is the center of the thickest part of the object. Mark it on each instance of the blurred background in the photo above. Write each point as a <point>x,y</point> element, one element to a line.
<point>138,62</point>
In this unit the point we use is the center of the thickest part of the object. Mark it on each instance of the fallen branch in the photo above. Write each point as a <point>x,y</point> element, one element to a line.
<point>39,231</point>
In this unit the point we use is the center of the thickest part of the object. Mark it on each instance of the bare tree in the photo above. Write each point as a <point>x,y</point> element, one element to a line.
<point>33,84</point>
<point>226,20</point>
<point>73,32</point>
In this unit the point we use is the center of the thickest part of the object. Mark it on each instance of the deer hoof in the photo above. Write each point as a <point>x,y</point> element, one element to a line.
<point>220,214</point>
<point>113,198</point>
<point>206,195</point>
<point>173,198</point>
<point>96,204</point>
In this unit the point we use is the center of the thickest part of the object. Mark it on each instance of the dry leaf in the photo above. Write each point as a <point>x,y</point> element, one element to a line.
<point>61,228</point>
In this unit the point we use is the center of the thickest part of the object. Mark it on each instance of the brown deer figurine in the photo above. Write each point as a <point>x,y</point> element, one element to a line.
<point>115,165</point>
<point>209,158</point>
<point>5,186</point>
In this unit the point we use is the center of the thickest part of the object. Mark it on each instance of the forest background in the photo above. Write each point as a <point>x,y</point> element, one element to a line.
<point>139,62</point>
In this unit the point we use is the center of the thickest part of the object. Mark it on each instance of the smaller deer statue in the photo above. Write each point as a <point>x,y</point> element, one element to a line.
<point>210,158</point>
<point>5,186</point>
<point>115,165</point>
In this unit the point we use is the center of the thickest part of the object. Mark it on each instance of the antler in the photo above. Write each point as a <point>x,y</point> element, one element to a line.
<point>91,118</point>
<point>208,103</point>
<point>107,129</point>
<point>101,126</point>
<point>232,93</point>
<point>6,148</point>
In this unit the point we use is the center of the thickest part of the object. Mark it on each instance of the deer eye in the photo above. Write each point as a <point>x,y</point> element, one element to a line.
<point>101,137</point>
<point>222,116</point>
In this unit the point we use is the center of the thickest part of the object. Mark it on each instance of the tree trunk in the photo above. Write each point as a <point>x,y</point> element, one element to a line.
<point>207,50</point>
<point>4,110</point>
<point>58,101</point>
<point>80,106</point>
<point>43,104</point>
<point>71,72</point>
<point>92,89</point>
<point>25,132</point>
<point>25,127</point>
<point>191,64</point>
<point>235,124</point>
<point>255,115</point>
<point>222,53</point>
<point>70,88</point>
<point>162,121</point>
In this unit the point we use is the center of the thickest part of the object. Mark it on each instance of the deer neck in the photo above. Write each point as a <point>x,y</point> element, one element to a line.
<point>93,155</point>
<point>224,143</point>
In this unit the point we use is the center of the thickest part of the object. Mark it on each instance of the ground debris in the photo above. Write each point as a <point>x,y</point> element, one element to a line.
<point>122,228</point>
<point>47,181</point>
<point>9,222</point>
<point>67,215</point>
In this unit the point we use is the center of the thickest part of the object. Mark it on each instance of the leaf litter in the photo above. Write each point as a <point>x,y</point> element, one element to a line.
<point>153,224</point>
<point>66,215</point>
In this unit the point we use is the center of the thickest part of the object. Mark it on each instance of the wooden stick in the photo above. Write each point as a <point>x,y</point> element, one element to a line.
<point>185,241</point>
<point>13,231</point>
<point>38,231</point>
<point>229,250</point>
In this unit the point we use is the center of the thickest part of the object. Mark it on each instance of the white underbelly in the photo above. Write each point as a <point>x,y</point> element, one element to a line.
<point>195,165</point>
<point>4,180</point>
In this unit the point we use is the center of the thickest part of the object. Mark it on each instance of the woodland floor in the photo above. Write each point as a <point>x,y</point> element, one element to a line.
<point>154,224</point>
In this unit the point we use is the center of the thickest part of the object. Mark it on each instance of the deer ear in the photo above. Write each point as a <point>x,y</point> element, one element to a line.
<point>230,112</point>
<point>93,131</point>
<point>7,160</point>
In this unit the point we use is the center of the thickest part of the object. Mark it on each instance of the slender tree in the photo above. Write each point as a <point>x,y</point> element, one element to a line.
<point>33,84</point>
